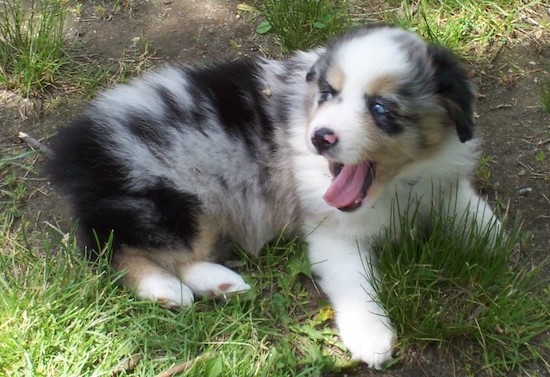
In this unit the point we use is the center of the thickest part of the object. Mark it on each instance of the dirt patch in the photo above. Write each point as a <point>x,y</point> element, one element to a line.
<point>190,31</point>
<point>516,135</point>
<point>514,127</point>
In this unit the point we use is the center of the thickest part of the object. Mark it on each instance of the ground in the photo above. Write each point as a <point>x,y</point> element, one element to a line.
<point>514,126</point>
<point>515,129</point>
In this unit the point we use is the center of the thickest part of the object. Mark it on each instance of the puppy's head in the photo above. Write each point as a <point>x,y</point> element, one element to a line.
<point>381,99</point>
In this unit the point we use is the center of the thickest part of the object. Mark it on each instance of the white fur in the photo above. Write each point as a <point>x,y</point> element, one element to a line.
<point>211,279</point>
<point>165,289</point>
<point>344,268</point>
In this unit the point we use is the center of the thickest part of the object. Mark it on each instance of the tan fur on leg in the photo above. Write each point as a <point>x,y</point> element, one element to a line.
<point>149,280</point>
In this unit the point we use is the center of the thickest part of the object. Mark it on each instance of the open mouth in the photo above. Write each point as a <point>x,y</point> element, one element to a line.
<point>350,185</point>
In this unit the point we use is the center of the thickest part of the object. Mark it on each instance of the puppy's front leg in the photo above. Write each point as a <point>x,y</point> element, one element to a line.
<point>343,272</point>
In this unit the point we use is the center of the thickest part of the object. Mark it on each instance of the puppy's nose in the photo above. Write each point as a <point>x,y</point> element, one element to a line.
<point>324,139</point>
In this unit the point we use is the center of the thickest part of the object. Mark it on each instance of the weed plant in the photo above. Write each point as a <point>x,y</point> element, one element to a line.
<point>31,44</point>
<point>302,24</point>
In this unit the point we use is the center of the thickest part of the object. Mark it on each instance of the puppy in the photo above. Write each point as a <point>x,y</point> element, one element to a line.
<point>175,165</point>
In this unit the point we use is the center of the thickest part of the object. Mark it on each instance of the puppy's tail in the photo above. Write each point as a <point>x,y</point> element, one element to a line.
<point>36,144</point>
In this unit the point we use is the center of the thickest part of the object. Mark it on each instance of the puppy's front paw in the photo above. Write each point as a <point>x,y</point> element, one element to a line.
<point>369,337</point>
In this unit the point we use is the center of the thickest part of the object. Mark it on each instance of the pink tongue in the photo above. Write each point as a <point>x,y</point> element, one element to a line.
<point>345,189</point>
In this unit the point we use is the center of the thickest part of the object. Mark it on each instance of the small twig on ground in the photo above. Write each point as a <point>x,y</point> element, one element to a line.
<point>35,144</point>
<point>525,166</point>
<point>180,368</point>
<point>501,106</point>
<point>127,364</point>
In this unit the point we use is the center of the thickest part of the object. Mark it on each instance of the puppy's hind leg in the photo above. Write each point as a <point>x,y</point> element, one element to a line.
<point>211,279</point>
<point>149,280</point>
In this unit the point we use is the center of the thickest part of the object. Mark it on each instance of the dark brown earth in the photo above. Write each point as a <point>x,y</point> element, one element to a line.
<point>514,126</point>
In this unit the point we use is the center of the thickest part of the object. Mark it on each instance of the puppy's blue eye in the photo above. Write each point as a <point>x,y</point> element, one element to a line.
<point>379,109</point>
<point>324,96</point>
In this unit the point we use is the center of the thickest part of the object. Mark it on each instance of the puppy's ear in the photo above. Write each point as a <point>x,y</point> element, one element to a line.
<point>455,89</point>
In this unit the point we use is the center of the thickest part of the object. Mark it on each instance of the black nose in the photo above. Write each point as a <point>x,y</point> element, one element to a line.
<point>323,139</point>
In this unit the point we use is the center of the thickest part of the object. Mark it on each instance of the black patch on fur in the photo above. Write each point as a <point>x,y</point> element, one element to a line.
<point>223,182</point>
<point>149,131</point>
<point>234,90</point>
<point>198,118</point>
<point>174,111</point>
<point>455,88</point>
<point>158,217</point>
<point>178,114</point>
<point>84,170</point>
<point>312,73</point>
<point>81,165</point>
<point>319,69</point>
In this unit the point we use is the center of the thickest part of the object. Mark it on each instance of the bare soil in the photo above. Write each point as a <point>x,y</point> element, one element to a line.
<point>514,126</point>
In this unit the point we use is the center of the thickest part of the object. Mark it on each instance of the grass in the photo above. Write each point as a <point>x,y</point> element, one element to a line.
<point>475,29</point>
<point>483,174</point>
<point>450,288</point>
<point>304,23</point>
<point>15,167</point>
<point>32,53</point>
<point>88,78</point>
<point>34,57</point>
<point>63,317</point>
